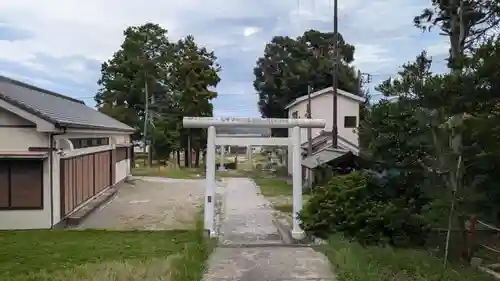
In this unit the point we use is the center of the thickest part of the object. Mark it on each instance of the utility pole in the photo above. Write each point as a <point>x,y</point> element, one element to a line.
<point>146,117</point>
<point>335,72</point>
<point>360,82</point>
<point>309,136</point>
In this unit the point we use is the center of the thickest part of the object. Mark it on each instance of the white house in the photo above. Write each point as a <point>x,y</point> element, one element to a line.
<point>322,108</point>
<point>55,155</point>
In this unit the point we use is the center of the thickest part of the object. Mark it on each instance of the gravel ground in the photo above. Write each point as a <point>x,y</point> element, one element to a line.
<point>150,204</point>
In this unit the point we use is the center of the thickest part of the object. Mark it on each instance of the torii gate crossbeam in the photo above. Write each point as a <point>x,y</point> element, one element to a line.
<point>293,142</point>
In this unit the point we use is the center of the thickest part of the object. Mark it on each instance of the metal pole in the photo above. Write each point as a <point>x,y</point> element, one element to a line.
<point>335,72</point>
<point>309,137</point>
<point>146,116</point>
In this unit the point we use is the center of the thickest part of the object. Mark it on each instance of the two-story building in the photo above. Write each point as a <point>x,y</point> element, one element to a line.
<point>348,106</point>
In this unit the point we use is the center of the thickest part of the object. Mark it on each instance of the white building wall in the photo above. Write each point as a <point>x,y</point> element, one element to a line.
<point>122,170</point>
<point>322,108</point>
<point>15,135</point>
<point>56,187</point>
<point>20,138</point>
<point>122,167</point>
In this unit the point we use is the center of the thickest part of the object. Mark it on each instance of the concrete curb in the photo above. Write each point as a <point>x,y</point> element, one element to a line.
<point>284,232</point>
<point>495,275</point>
<point>162,179</point>
<point>77,217</point>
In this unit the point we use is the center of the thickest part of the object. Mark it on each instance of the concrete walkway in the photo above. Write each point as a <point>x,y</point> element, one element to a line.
<point>250,248</point>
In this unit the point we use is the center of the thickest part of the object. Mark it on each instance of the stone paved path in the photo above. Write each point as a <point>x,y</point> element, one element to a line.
<point>250,247</point>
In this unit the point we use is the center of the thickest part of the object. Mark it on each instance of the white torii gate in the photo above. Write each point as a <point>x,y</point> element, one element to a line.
<point>233,140</point>
<point>292,141</point>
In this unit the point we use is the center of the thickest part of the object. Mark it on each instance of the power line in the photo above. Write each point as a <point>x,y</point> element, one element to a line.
<point>218,95</point>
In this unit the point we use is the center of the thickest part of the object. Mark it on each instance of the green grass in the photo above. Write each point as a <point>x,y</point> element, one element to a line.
<point>352,262</point>
<point>89,255</point>
<point>169,172</point>
<point>238,173</point>
<point>288,208</point>
<point>273,187</point>
<point>285,208</point>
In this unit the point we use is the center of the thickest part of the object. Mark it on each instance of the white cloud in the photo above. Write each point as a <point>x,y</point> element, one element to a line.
<point>438,49</point>
<point>73,32</point>
<point>93,28</point>
<point>34,80</point>
<point>249,31</point>
<point>367,55</point>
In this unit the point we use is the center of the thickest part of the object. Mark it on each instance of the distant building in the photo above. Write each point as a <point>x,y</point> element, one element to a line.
<point>348,106</point>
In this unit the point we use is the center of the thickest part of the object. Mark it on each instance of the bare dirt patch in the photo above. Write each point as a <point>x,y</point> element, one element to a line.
<point>150,205</point>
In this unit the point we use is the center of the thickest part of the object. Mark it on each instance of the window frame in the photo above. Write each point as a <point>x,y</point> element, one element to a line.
<point>79,143</point>
<point>10,207</point>
<point>351,126</point>
<point>122,153</point>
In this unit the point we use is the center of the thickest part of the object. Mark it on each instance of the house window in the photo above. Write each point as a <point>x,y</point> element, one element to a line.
<point>295,115</point>
<point>21,184</point>
<point>349,121</point>
<point>89,142</point>
<point>122,153</point>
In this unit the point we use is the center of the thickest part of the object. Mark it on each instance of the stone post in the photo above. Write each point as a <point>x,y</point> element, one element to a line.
<point>297,232</point>
<point>222,167</point>
<point>210,183</point>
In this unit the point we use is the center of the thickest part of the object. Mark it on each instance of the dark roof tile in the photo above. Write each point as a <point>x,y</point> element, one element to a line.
<point>56,108</point>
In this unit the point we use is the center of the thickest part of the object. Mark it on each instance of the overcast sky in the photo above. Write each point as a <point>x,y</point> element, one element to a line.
<point>60,44</point>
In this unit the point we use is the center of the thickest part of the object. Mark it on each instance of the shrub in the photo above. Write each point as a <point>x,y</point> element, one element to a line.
<point>368,209</point>
<point>229,166</point>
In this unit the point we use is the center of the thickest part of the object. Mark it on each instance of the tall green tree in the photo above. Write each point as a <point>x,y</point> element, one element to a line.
<point>179,78</point>
<point>142,61</point>
<point>466,23</point>
<point>447,125</point>
<point>397,137</point>
<point>290,65</point>
<point>194,77</point>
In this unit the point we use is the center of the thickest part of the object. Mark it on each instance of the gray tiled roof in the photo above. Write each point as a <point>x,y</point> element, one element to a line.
<point>56,108</point>
<point>323,157</point>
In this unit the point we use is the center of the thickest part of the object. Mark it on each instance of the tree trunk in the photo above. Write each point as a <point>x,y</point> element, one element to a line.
<point>448,232</point>
<point>464,236</point>
<point>150,153</point>
<point>197,160</point>
<point>186,157</point>
<point>204,156</point>
<point>190,153</point>
<point>178,156</point>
